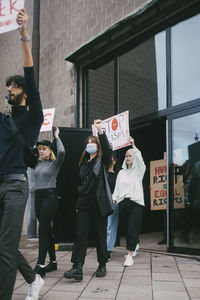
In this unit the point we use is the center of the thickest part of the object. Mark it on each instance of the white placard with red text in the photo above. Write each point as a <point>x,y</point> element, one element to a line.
<point>117,130</point>
<point>8,13</point>
<point>48,119</point>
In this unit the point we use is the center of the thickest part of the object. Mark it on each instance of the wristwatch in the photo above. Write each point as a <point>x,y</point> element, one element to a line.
<point>26,39</point>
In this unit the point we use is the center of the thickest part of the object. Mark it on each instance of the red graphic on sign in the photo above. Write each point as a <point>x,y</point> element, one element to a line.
<point>46,122</point>
<point>12,6</point>
<point>114,124</point>
<point>1,9</point>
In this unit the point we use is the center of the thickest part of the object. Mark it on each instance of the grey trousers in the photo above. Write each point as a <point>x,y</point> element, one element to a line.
<point>13,198</point>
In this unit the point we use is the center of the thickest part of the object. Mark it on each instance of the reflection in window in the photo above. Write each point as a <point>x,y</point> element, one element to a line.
<point>186,160</point>
<point>143,78</point>
<point>185,62</point>
<point>101,93</point>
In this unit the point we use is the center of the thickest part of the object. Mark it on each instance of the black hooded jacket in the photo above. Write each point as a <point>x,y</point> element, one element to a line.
<point>93,183</point>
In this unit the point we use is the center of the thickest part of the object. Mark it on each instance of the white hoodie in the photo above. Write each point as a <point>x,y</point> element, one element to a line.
<point>129,181</point>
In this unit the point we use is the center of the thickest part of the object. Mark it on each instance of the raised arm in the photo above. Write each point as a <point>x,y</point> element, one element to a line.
<point>138,158</point>
<point>105,146</point>
<point>22,20</point>
<point>31,90</point>
<point>60,148</point>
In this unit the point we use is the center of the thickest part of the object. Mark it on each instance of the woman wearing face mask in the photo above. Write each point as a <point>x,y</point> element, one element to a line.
<point>94,202</point>
<point>46,200</point>
<point>129,195</point>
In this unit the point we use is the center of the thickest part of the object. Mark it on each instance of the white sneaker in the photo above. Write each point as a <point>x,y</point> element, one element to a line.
<point>134,253</point>
<point>34,288</point>
<point>128,261</point>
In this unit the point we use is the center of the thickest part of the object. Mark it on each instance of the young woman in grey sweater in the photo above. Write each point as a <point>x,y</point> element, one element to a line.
<point>46,200</point>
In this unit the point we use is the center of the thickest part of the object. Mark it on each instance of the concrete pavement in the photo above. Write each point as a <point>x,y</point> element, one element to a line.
<point>153,276</point>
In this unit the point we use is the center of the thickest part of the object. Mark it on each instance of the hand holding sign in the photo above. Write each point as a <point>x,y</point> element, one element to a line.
<point>131,141</point>
<point>56,132</point>
<point>22,20</point>
<point>98,125</point>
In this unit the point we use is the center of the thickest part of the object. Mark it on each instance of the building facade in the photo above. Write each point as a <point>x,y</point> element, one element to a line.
<point>102,57</point>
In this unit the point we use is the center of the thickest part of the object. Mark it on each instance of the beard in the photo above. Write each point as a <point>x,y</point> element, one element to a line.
<point>17,100</point>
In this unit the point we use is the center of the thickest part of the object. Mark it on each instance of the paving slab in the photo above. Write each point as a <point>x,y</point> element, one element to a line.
<point>101,288</point>
<point>168,286</point>
<point>153,276</point>
<point>189,274</point>
<point>166,277</point>
<point>163,295</point>
<point>194,292</point>
<point>135,290</point>
<point>53,295</point>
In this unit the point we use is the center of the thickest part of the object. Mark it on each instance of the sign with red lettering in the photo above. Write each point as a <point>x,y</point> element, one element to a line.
<point>158,186</point>
<point>117,130</point>
<point>8,14</point>
<point>48,119</point>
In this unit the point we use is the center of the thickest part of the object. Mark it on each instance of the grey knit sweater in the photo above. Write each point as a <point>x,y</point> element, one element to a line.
<point>46,171</point>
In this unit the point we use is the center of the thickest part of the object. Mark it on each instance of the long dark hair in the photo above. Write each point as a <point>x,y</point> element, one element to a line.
<point>116,166</point>
<point>84,154</point>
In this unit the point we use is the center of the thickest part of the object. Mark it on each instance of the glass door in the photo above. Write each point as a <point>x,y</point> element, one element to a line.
<point>184,183</point>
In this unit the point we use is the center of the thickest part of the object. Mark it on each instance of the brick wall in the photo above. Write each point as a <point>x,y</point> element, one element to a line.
<point>137,84</point>
<point>64,27</point>
<point>101,92</point>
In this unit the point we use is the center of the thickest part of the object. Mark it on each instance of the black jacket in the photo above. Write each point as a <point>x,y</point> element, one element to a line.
<point>103,193</point>
<point>27,121</point>
<point>93,182</point>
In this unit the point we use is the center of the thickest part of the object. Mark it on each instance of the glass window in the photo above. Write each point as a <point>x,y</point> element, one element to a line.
<point>185,61</point>
<point>143,78</point>
<point>101,92</point>
<point>186,160</point>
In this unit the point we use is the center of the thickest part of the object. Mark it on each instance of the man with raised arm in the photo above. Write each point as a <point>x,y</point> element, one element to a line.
<point>26,112</point>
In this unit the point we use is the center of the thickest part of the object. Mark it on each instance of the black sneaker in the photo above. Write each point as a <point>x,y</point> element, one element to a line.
<point>162,242</point>
<point>39,270</point>
<point>52,266</point>
<point>109,255</point>
<point>75,273</point>
<point>101,271</point>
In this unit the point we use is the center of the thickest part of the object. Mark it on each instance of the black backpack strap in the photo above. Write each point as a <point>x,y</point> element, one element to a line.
<point>16,131</point>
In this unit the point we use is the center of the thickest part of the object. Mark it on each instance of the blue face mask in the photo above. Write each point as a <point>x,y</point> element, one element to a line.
<point>91,148</point>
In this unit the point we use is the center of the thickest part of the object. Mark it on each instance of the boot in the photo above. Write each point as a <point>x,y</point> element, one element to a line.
<point>76,272</point>
<point>39,270</point>
<point>101,271</point>
<point>52,266</point>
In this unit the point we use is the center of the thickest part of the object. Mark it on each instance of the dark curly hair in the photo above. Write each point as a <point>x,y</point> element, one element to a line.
<point>18,79</point>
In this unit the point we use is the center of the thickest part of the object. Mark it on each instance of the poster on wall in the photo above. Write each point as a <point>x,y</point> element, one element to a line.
<point>116,129</point>
<point>158,186</point>
<point>8,13</point>
<point>48,119</point>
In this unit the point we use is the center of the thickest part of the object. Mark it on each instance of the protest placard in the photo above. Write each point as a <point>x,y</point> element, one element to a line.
<point>116,129</point>
<point>8,13</point>
<point>158,186</point>
<point>48,119</point>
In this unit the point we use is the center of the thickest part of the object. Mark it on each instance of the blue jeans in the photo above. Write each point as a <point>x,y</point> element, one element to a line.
<point>112,226</point>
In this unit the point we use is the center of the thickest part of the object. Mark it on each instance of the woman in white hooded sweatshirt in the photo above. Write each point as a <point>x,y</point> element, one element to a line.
<point>129,195</point>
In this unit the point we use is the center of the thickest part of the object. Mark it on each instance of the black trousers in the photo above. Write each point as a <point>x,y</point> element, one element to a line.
<point>13,198</point>
<point>46,207</point>
<point>130,220</point>
<point>85,219</point>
